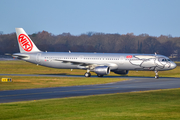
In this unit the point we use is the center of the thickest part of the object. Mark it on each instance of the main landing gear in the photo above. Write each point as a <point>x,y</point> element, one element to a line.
<point>156,76</point>
<point>87,74</point>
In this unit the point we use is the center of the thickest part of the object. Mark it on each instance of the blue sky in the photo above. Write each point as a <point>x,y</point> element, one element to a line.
<point>154,17</point>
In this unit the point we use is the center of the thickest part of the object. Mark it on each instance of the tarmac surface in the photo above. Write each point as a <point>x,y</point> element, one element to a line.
<point>134,84</point>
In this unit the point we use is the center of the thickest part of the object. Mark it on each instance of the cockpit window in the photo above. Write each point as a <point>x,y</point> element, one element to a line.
<point>166,60</point>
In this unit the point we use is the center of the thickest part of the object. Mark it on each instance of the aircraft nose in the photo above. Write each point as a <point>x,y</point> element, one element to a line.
<point>173,65</point>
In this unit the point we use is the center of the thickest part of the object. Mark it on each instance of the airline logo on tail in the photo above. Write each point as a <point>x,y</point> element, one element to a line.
<point>25,42</point>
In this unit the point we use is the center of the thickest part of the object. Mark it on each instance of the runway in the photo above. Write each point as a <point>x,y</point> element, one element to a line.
<point>132,85</point>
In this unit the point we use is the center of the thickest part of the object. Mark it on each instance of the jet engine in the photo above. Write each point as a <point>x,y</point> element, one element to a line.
<point>102,70</point>
<point>123,72</point>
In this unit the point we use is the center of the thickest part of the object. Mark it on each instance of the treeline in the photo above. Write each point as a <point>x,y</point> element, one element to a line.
<point>96,42</point>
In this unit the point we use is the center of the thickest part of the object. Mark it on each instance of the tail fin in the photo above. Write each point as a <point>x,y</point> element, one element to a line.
<point>26,45</point>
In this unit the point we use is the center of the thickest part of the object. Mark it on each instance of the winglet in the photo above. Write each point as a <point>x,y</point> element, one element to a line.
<point>26,45</point>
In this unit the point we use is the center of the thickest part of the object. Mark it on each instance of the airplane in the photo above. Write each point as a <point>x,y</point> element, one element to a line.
<point>100,63</point>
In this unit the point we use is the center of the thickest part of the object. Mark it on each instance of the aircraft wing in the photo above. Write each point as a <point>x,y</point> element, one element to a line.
<point>144,56</point>
<point>80,63</point>
<point>90,65</point>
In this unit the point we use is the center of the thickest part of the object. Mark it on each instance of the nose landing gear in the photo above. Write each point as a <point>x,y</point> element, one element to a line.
<point>156,76</point>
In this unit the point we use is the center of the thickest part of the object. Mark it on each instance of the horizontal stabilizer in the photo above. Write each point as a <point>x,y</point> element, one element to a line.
<point>20,56</point>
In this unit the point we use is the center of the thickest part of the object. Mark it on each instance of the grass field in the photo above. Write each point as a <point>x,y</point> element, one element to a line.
<point>43,82</point>
<point>152,105</point>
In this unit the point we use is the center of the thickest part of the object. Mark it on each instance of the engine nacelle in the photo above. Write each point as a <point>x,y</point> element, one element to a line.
<point>123,72</point>
<point>102,70</point>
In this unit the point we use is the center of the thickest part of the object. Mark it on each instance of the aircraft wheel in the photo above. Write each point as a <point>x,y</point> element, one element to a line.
<point>99,75</point>
<point>87,74</point>
<point>157,76</point>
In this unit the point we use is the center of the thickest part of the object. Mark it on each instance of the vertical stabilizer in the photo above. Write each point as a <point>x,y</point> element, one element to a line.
<point>26,45</point>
